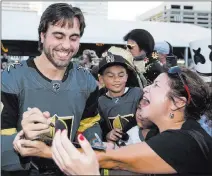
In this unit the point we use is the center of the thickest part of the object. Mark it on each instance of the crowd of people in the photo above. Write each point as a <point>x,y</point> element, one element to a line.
<point>133,111</point>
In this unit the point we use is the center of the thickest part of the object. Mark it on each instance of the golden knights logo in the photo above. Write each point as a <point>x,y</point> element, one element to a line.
<point>124,123</point>
<point>57,122</point>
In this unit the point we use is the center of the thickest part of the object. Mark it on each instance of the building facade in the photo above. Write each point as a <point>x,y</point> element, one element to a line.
<point>198,13</point>
<point>92,8</point>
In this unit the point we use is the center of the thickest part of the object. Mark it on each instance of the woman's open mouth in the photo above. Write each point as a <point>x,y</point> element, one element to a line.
<point>144,102</point>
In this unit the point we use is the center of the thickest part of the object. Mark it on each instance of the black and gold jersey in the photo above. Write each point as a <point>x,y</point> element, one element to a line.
<point>23,85</point>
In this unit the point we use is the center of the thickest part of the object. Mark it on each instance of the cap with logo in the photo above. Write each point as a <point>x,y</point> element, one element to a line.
<point>119,56</point>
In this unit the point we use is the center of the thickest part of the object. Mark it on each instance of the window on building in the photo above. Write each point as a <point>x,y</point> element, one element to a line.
<point>190,22</point>
<point>174,12</point>
<point>202,18</point>
<point>175,6</point>
<point>172,21</point>
<point>188,7</point>
<point>177,18</point>
<point>202,23</point>
<point>188,13</point>
<point>202,14</point>
<point>188,18</point>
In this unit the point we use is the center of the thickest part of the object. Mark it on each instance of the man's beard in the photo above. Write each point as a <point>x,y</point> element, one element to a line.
<point>50,57</point>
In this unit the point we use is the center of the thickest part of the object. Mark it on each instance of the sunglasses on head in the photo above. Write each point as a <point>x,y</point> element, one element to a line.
<point>130,46</point>
<point>176,71</point>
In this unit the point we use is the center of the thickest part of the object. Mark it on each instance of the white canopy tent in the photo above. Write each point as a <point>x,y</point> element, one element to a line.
<point>113,31</point>
<point>23,26</point>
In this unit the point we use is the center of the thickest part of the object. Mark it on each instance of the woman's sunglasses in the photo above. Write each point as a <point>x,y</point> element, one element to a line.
<point>130,46</point>
<point>176,71</point>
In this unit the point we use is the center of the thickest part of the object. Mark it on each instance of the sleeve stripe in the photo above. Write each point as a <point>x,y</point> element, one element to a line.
<point>88,122</point>
<point>9,131</point>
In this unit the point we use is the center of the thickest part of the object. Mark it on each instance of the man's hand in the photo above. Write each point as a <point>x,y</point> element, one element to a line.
<point>114,135</point>
<point>32,148</point>
<point>35,123</point>
<point>18,137</point>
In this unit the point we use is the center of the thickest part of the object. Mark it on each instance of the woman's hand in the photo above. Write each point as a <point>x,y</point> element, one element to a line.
<point>70,160</point>
<point>114,135</point>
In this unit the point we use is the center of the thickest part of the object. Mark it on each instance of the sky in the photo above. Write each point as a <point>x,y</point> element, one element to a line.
<point>123,10</point>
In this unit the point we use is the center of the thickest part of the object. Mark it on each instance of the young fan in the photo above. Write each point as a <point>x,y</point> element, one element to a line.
<point>118,105</point>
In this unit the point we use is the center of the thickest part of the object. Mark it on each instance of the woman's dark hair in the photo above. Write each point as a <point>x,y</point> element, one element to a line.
<point>3,60</point>
<point>143,38</point>
<point>89,56</point>
<point>59,12</point>
<point>199,90</point>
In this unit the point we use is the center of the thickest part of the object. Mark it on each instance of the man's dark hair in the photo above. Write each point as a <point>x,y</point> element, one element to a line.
<point>59,12</point>
<point>143,38</point>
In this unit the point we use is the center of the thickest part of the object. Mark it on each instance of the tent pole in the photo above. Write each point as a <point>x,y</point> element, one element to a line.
<point>186,56</point>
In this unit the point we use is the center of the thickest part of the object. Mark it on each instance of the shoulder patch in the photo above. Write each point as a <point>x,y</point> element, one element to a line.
<point>13,65</point>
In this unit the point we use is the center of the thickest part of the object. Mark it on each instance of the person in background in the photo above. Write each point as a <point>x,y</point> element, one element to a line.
<point>141,45</point>
<point>4,63</point>
<point>165,54</point>
<point>88,59</point>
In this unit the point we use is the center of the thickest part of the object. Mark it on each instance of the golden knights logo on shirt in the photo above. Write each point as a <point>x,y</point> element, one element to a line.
<point>58,122</point>
<point>124,122</point>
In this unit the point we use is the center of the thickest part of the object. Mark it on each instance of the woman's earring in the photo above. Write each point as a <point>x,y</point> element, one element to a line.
<point>171,115</point>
